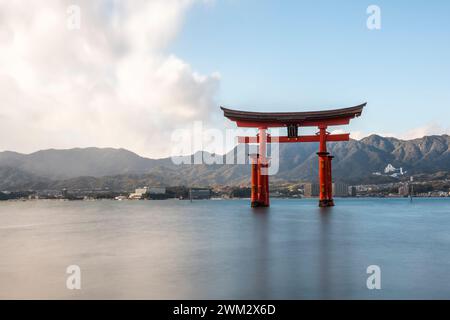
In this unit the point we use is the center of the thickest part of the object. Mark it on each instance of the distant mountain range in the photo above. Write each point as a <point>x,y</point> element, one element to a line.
<point>118,169</point>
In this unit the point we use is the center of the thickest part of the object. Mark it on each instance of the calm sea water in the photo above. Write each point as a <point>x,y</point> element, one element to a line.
<point>225,250</point>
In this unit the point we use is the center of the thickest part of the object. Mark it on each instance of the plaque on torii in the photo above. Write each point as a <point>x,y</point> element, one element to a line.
<point>292,121</point>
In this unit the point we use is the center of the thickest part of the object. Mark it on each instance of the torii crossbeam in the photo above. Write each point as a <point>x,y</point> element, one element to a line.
<point>292,120</point>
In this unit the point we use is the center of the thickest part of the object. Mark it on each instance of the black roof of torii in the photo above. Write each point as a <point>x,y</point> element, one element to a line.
<point>293,117</point>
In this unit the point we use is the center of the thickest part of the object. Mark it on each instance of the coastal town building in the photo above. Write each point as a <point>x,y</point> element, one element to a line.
<point>340,189</point>
<point>156,190</point>
<point>403,190</point>
<point>138,193</point>
<point>199,194</point>
<point>311,190</point>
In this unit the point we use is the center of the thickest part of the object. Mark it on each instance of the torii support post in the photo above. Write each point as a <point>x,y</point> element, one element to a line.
<point>254,191</point>
<point>325,179</point>
<point>330,181</point>
<point>264,198</point>
<point>260,177</point>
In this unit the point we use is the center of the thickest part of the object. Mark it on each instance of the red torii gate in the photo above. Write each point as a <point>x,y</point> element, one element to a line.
<point>292,120</point>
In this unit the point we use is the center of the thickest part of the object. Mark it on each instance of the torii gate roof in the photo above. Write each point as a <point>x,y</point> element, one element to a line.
<point>282,119</point>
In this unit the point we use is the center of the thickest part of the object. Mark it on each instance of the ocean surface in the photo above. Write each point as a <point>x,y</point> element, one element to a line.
<point>225,250</point>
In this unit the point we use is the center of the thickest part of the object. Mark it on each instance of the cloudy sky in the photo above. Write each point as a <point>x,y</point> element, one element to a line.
<point>135,71</point>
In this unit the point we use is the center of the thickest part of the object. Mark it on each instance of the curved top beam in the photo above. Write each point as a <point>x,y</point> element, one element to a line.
<point>306,118</point>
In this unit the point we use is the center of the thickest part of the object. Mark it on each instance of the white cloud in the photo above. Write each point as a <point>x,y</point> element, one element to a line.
<point>426,130</point>
<point>429,129</point>
<point>110,83</point>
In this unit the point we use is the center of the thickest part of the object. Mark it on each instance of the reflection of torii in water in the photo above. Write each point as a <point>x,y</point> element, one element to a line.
<point>292,121</point>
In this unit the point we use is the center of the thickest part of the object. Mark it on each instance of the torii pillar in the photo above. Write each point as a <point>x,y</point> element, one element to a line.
<point>325,177</point>
<point>260,172</point>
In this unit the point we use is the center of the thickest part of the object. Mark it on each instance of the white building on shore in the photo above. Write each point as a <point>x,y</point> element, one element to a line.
<point>140,193</point>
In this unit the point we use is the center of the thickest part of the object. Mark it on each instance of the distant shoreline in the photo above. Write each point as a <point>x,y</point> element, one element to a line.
<point>213,199</point>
